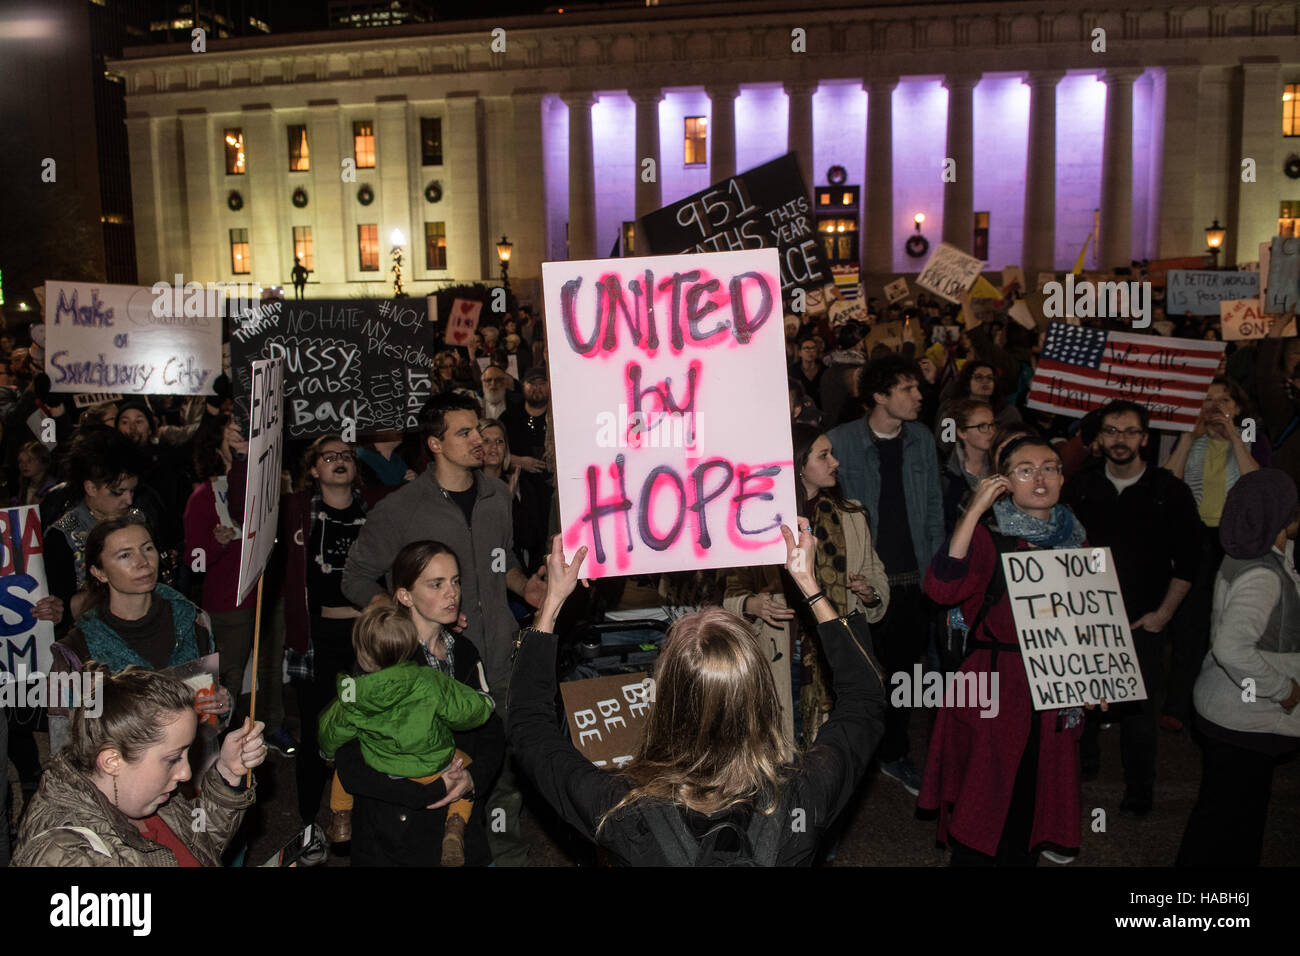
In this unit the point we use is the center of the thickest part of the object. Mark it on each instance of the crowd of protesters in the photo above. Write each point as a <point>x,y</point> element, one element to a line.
<point>417,603</point>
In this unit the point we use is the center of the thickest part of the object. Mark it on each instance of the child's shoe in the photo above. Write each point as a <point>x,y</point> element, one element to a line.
<point>453,841</point>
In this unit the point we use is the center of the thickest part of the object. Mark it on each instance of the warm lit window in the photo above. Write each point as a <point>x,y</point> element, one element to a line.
<point>368,245</point>
<point>302,247</point>
<point>235,152</point>
<point>239,261</point>
<point>1288,219</point>
<point>435,245</point>
<point>430,141</point>
<point>363,144</point>
<point>697,134</point>
<point>299,160</point>
<point>1290,111</point>
<point>629,238</point>
<point>980,240</point>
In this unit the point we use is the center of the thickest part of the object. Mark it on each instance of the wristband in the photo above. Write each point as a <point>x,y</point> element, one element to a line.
<point>814,598</point>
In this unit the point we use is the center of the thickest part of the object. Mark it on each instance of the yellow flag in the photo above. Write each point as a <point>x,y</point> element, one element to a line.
<point>1078,263</point>
<point>984,289</point>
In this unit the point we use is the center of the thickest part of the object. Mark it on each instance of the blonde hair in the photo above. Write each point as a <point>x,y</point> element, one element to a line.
<point>383,636</point>
<point>132,720</point>
<point>714,735</point>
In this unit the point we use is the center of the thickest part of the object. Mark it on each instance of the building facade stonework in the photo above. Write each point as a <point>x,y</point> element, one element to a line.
<point>546,123</point>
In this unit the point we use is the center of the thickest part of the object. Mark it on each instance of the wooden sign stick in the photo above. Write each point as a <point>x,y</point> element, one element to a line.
<point>257,637</point>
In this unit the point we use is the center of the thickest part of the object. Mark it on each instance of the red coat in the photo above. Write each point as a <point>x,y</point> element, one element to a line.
<point>972,762</point>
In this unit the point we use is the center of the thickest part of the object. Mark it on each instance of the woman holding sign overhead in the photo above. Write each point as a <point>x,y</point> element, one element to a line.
<point>1004,777</point>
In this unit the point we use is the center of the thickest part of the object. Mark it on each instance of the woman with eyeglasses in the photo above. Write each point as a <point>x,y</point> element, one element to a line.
<point>1005,779</point>
<point>973,426</point>
<point>320,523</point>
<point>978,379</point>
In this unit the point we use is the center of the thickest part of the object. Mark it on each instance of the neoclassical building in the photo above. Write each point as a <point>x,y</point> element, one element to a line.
<point>1015,128</point>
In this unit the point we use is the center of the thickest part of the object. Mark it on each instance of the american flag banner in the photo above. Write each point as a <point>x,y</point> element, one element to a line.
<point>1083,368</point>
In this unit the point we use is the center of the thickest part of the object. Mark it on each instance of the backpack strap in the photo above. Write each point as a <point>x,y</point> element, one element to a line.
<point>994,593</point>
<point>679,846</point>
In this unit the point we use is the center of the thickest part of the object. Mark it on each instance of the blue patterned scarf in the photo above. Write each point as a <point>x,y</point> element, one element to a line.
<point>1062,530</point>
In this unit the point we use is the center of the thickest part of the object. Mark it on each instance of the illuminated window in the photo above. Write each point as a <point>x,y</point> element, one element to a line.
<point>235,152</point>
<point>363,144</point>
<point>1288,219</point>
<point>629,238</point>
<point>430,141</point>
<point>299,158</point>
<point>368,245</point>
<point>302,247</point>
<point>240,264</point>
<point>980,240</point>
<point>697,134</point>
<point>1290,112</point>
<point>435,245</point>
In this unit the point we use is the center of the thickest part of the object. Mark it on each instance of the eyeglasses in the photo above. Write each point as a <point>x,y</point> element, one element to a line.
<point>1048,469</point>
<point>983,427</point>
<point>1110,431</point>
<point>330,457</point>
<point>983,378</point>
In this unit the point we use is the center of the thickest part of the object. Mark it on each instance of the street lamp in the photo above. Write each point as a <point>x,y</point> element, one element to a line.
<point>1214,239</point>
<point>397,240</point>
<point>504,248</point>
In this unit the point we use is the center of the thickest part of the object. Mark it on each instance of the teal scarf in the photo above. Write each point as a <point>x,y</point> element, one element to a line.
<point>1062,530</point>
<point>107,647</point>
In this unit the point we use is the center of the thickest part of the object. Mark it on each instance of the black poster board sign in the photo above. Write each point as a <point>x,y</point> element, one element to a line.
<point>365,361</point>
<point>763,208</point>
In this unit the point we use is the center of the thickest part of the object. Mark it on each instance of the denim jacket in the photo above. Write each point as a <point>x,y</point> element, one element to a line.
<point>859,473</point>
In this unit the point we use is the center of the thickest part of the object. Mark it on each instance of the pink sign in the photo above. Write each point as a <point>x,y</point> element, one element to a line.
<point>463,321</point>
<point>672,419</point>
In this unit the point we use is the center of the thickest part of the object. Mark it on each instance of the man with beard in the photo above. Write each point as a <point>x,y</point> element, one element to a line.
<point>1148,519</point>
<point>497,393</point>
<point>526,433</point>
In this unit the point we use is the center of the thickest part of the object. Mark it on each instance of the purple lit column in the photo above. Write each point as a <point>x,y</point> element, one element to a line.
<point>1116,240</point>
<point>722,145</point>
<point>799,129</point>
<point>582,177</point>
<point>649,195</point>
<point>959,195</point>
<point>879,222</point>
<point>1040,176</point>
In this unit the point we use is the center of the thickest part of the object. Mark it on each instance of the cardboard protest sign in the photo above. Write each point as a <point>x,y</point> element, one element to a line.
<point>606,716</point>
<point>1022,315</point>
<point>897,290</point>
<point>949,273</point>
<point>362,361</point>
<point>1283,275</point>
<point>265,456</point>
<point>1082,368</point>
<point>895,334</point>
<point>463,320</point>
<point>766,207</point>
<point>1245,319</point>
<point>24,641</point>
<point>132,339</point>
<point>1199,293</point>
<point>1072,627</point>
<point>1013,277</point>
<point>848,310</point>
<point>672,440</point>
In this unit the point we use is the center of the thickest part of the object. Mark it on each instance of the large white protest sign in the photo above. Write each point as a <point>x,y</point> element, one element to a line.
<point>1199,291</point>
<point>1283,285</point>
<point>672,437</point>
<point>24,640</point>
<point>950,272</point>
<point>112,338</point>
<point>265,454</point>
<point>1072,627</point>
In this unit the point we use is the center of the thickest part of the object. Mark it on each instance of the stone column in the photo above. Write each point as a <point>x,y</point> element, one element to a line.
<point>649,195</point>
<point>466,249</point>
<point>147,173</point>
<point>1115,244</point>
<point>334,231</point>
<point>205,201</point>
<point>1039,250</point>
<point>959,194</point>
<point>1176,215</point>
<point>1256,206</point>
<point>722,139</point>
<point>582,177</point>
<point>878,224</point>
<point>799,128</point>
<point>528,231</point>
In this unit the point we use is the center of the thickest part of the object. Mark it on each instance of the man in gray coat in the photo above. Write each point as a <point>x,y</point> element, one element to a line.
<point>455,503</point>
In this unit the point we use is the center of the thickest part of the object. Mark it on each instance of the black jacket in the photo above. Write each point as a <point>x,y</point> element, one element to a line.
<point>825,779</point>
<point>390,823</point>
<point>1153,531</point>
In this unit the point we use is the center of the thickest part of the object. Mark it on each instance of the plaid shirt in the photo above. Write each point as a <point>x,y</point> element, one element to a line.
<point>300,665</point>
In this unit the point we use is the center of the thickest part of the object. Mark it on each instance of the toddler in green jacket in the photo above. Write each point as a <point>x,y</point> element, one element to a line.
<point>403,712</point>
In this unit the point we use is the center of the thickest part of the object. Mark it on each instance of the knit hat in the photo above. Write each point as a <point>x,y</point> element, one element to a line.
<point>139,405</point>
<point>1259,505</point>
